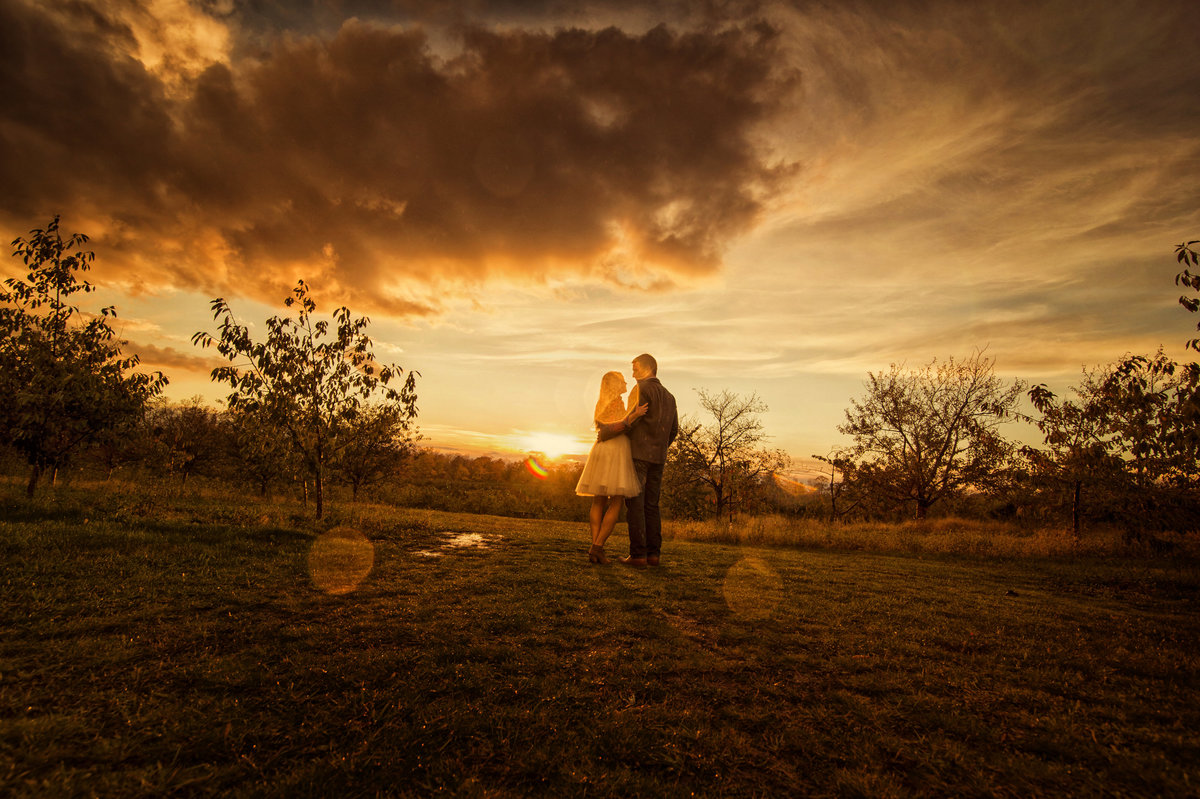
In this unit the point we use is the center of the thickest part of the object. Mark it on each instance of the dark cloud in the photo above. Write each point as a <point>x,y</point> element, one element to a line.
<point>381,171</point>
<point>78,125</point>
<point>170,360</point>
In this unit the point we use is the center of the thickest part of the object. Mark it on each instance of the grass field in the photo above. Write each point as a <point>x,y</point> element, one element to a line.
<point>155,645</point>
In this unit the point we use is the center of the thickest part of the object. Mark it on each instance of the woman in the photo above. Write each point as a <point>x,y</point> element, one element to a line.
<point>608,476</point>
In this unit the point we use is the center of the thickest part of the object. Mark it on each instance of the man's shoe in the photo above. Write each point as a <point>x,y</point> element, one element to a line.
<point>637,563</point>
<point>652,560</point>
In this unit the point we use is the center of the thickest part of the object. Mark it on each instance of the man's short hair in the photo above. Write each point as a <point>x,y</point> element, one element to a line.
<point>648,362</point>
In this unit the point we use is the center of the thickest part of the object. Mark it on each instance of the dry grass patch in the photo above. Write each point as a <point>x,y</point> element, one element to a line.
<point>944,536</point>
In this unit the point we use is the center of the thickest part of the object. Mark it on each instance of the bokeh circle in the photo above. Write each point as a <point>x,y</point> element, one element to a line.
<point>340,559</point>
<point>752,589</point>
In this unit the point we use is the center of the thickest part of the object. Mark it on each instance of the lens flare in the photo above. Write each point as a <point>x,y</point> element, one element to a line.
<point>752,589</point>
<point>536,468</point>
<point>340,560</point>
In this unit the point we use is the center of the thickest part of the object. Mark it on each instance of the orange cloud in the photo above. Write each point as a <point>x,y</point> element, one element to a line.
<point>170,360</point>
<point>375,169</point>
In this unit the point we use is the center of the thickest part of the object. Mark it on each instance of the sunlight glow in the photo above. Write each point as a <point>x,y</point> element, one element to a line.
<point>552,445</point>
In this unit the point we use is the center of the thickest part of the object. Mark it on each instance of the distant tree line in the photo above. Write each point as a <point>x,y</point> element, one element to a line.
<point>309,407</point>
<point>1123,451</point>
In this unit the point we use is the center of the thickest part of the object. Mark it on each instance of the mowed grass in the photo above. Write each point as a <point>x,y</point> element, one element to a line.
<point>154,644</point>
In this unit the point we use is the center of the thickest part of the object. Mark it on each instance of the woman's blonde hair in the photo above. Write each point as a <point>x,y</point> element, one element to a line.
<point>612,385</point>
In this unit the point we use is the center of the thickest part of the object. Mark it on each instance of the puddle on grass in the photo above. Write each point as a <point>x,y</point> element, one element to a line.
<point>457,541</point>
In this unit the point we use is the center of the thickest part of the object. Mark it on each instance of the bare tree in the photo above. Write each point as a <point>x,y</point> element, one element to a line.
<point>841,464</point>
<point>725,455</point>
<point>929,433</point>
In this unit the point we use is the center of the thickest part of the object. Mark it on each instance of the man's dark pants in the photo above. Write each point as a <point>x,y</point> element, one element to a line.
<point>642,513</point>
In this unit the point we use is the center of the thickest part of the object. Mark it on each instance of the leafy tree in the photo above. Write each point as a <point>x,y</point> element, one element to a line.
<point>1186,255</point>
<point>1077,451</point>
<point>377,441</point>
<point>725,456</point>
<point>62,374</point>
<point>925,434</point>
<point>683,496</point>
<point>185,439</point>
<point>308,379</point>
<point>1132,435</point>
<point>258,450</point>
<point>1152,407</point>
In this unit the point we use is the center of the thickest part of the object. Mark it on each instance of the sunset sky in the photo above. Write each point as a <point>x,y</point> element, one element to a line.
<point>768,197</point>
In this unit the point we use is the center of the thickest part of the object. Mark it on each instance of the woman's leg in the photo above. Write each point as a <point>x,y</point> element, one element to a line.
<point>611,514</point>
<point>596,516</point>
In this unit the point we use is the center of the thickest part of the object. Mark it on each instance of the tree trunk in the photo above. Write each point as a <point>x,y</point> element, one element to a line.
<point>53,476</point>
<point>34,474</point>
<point>354,491</point>
<point>922,509</point>
<point>318,484</point>
<point>1075,510</point>
<point>262,488</point>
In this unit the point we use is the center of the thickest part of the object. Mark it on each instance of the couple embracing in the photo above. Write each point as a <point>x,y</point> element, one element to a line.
<point>626,462</point>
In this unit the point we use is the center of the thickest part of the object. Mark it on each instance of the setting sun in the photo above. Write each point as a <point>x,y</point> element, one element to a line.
<point>552,445</point>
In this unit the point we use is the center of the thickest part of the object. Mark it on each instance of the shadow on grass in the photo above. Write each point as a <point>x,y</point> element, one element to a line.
<point>36,511</point>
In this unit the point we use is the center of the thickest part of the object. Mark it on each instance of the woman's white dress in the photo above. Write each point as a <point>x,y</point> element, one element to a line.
<point>609,469</point>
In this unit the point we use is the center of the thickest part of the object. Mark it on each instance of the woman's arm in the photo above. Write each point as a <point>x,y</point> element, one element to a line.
<point>611,429</point>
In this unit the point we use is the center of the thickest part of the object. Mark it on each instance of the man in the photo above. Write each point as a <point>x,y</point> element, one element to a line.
<point>649,438</point>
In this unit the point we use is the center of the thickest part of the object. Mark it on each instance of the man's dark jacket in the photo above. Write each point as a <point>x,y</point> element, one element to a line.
<point>650,435</point>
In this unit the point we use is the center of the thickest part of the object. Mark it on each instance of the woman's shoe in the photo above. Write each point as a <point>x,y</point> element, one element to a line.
<point>596,555</point>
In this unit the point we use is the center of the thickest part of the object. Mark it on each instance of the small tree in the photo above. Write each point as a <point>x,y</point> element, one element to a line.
<point>378,440</point>
<point>258,449</point>
<point>64,380</point>
<point>307,382</point>
<point>725,455</point>
<point>1152,408</point>
<point>1132,436</point>
<point>1076,453</point>
<point>184,439</point>
<point>929,433</point>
